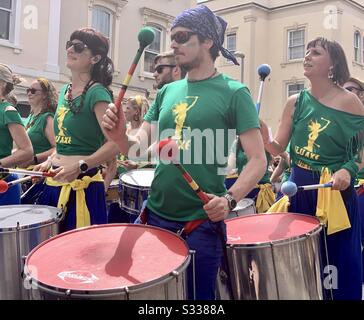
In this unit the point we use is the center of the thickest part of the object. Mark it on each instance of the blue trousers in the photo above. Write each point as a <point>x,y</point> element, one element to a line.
<point>12,196</point>
<point>361,210</point>
<point>344,247</point>
<point>207,240</point>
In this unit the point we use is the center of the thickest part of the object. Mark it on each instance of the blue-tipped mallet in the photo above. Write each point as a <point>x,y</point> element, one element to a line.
<point>263,72</point>
<point>289,188</point>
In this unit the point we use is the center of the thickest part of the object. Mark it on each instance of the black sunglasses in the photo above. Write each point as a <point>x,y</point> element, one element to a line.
<point>182,36</point>
<point>32,90</point>
<point>159,69</point>
<point>77,46</point>
<point>351,89</point>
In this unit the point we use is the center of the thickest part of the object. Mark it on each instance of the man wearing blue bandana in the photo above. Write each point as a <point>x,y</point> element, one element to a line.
<point>204,102</point>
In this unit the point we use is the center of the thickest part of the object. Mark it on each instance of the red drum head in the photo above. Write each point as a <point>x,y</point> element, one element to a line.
<point>266,228</point>
<point>106,257</point>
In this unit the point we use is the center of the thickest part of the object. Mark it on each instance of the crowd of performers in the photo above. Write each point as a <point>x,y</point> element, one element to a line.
<point>80,136</point>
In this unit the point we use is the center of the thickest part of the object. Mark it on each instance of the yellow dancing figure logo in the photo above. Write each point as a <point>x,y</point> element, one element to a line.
<point>308,152</point>
<point>61,137</point>
<point>315,129</point>
<point>180,111</point>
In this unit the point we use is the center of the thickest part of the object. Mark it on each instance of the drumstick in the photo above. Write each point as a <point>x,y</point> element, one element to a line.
<point>289,188</point>
<point>191,225</point>
<point>28,172</point>
<point>4,186</point>
<point>170,155</point>
<point>263,72</point>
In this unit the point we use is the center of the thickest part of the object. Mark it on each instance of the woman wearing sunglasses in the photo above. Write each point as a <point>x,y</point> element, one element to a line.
<point>42,97</point>
<point>325,125</point>
<point>11,131</point>
<point>81,146</point>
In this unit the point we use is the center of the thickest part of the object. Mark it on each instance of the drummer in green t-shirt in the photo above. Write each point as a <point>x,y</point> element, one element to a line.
<point>42,97</point>
<point>81,146</point>
<point>11,131</point>
<point>324,125</point>
<point>204,113</point>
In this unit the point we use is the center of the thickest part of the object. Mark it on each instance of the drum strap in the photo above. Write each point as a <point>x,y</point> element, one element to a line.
<point>360,191</point>
<point>79,185</point>
<point>190,226</point>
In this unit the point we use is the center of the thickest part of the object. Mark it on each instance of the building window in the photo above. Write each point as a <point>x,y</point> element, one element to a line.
<point>7,8</point>
<point>153,50</point>
<point>231,44</point>
<point>296,44</point>
<point>357,46</point>
<point>294,88</point>
<point>102,21</point>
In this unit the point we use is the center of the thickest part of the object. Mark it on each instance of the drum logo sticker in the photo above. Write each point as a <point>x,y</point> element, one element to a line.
<point>81,277</point>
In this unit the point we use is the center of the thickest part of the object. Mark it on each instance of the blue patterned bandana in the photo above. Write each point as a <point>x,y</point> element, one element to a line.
<point>204,22</point>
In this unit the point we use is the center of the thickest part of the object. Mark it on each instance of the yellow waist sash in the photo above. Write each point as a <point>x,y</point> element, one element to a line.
<point>265,197</point>
<point>79,185</point>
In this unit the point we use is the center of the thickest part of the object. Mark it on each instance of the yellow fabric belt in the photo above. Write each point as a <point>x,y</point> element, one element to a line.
<point>330,208</point>
<point>79,185</point>
<point>282,205</point>
<point>265,198</point>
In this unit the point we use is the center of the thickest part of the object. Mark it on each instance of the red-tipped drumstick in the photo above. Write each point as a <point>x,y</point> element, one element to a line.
<point>28,172</point>
<point>4,186</point>
<point>167,151</point>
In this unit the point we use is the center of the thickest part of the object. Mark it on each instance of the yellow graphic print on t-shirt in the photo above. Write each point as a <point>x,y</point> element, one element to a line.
<point>310,150</point>
<point>180,112</point>
<point>61,137</point>
<point>315,129</point>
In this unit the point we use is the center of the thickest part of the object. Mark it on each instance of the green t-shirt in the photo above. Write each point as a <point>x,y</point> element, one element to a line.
<point>35,126</point>
<point>242,160</point>
<point>79,134</point>
<point>6,118</point>
<point>323,136</point>
<point>187,110</point>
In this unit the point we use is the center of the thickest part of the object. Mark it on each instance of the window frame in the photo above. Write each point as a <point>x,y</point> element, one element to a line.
<point>357,40</point>
<point>229,34</point>
<point>289,32</point>
<point>161,46</point>
<point>14,26</point>
<point>298,83</point>
<point>111,21</point>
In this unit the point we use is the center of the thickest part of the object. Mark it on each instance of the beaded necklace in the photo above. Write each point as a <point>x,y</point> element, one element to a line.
<point>70,101</point>
<point>32,120</point>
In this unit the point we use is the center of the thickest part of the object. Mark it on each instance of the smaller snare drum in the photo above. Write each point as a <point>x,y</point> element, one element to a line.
<point>134,187</point>
<point>112,194</point>
<point>244,207</point>
<point>22,227</point>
